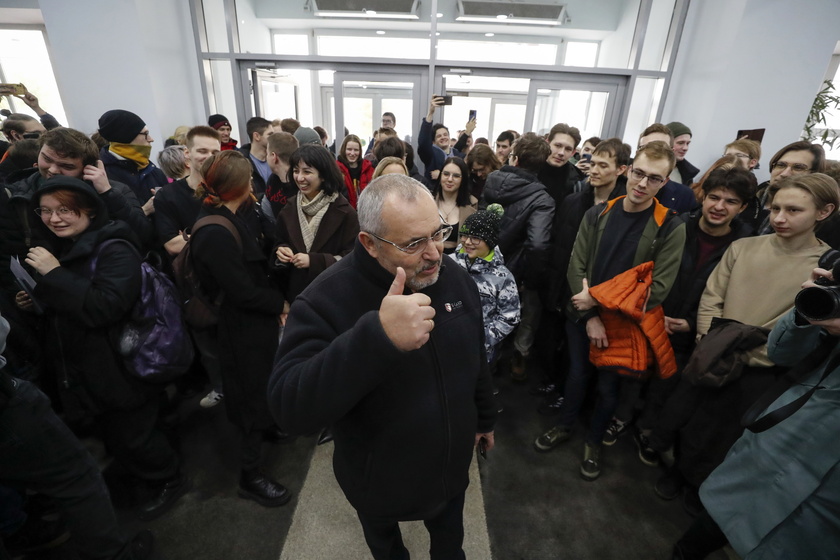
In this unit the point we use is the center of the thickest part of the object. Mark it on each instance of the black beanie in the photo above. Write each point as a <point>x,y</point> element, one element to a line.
<point>484,224</point>
<point>217,121</point>
<point>120,126</point>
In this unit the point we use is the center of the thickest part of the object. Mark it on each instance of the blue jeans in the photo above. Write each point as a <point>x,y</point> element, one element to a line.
<point>577,381</point>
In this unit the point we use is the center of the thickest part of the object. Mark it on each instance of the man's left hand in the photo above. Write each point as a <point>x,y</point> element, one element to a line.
<point>96,176</point>
<point>489,438</point>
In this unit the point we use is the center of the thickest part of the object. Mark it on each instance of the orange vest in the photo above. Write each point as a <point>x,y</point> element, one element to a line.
<point>636,339</point>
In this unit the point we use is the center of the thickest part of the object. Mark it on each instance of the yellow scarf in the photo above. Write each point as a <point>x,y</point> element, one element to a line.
<point>135,152</point>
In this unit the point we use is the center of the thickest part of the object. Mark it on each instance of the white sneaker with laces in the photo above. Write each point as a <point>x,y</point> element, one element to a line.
<point>212,399</point>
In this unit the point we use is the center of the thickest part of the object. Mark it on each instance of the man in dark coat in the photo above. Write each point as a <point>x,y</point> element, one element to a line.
<point>126,158</point>
<point>525,234</point>
<point>684,172</point>
<point>387,347</point>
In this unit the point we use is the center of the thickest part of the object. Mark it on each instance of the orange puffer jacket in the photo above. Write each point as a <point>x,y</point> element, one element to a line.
<point>637,339</point>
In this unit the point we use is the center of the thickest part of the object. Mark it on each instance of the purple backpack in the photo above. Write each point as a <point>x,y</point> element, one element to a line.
<point>153,342</point>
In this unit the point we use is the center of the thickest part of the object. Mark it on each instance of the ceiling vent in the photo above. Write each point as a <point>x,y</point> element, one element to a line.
<point>366,9</point>
<point>516,13</point>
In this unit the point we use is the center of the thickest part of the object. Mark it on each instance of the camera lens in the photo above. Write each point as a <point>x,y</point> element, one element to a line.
<point>818,303</point>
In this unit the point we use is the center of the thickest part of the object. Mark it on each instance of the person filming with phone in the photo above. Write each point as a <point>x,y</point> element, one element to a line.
<point>433,141</point>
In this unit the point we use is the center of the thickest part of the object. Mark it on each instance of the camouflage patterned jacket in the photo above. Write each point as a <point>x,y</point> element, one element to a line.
<point>499,296</point>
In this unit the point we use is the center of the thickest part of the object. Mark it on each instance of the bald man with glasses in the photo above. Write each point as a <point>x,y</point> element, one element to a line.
<point>387,346</point>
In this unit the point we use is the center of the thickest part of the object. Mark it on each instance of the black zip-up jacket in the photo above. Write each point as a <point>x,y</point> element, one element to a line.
<point>684,298</point>
<point>404,422</point>
<point>525,231</point>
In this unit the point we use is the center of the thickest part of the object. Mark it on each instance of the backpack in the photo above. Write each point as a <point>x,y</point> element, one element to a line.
<point>154,343</point>
<point>200,311</point>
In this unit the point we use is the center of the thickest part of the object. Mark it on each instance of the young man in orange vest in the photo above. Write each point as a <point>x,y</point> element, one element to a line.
<point>632,246</point>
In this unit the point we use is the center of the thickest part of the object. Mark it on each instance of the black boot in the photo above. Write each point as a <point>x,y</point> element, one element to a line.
<point>164,497</point>
<point>254,485</point>
<point>326,436</point>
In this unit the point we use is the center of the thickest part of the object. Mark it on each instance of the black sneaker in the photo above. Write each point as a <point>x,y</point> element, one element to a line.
<point>647,454</point>
<point>551,405</point>
<point>552,438</point>
<point>590,467</point>
<point>544,389</point>
<point>616,429</point>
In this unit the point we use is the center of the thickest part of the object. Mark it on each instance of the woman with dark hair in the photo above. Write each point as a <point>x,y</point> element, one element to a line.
<point>357,171</point>
<point>453,198</point>
<point>317,227</point>
<point>87,291</point>
<point>481,161</point>
<point>248,329</point>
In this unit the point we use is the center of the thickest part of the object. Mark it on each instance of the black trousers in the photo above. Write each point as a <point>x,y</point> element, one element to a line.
<point>37,451</point>
<point>446,532</point>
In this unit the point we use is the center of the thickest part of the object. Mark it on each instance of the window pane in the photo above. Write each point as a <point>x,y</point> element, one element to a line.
<point>579,108</point>
<point>24,59</point>
<point>291,44</point>
<point>496,51</point>
<point>643,106</point>
<point>216,26</point>
<point>581,54</point>
<point>376,47</point>
<point>402,109</point>
<point>615,47</point>
<point>358,115</point>
<point>659,26</point>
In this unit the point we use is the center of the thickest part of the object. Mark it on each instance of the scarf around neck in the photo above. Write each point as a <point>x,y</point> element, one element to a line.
<point>134,152</point>
<point>310,213</point>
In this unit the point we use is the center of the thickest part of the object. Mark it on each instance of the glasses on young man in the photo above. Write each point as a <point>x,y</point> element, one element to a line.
<point>416,246</point>
<point>652,180</point>
<point>796,167</point>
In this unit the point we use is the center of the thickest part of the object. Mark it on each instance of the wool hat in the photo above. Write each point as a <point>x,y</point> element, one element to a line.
<point>217,121</point>
<point>120,126</point>
<point>307,135</point>
<point>484,224</point>
<point>678,129</point>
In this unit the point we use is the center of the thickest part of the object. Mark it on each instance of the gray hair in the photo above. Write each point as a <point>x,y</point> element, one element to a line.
<point>172,161</point>
<point>372,199</point>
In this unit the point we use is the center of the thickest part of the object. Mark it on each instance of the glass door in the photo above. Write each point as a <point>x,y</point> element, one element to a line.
<point>499,102</point>
<point>361,98</point>
<point>591,107</point>
<point>275,95</point>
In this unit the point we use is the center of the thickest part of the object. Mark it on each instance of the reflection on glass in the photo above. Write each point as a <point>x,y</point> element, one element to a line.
<point>376,47</point>
<point>278,98</point>
<point>223,94</point>
<point>24,60</point>
<point>291,44</point>
<point>659,26</point>
<point>216,25</point>
<point>643,106</point>
<point>616,45</point>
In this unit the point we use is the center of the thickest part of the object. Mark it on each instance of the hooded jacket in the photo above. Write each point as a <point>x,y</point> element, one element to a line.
<point>404,422</point>
<point>84,306</point>
<point>637,337</point>
<point>366,177</point>
<point>499,296</point>
<point>525,231</point>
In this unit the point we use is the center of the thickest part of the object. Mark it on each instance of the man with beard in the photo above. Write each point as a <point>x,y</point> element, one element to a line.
<point>386,346</point>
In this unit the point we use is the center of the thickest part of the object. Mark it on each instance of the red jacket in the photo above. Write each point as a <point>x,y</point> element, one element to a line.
<point>637,338</point>
<point>366,177</point>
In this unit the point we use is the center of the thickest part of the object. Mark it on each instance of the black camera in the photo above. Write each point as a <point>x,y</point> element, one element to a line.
<point>821,302</point>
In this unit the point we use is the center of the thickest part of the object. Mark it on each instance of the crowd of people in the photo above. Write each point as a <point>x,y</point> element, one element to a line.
<point>326,268</point>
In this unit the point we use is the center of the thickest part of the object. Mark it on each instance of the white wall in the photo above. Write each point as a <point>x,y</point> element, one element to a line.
<point>747,64</point>
<point>137,55</point>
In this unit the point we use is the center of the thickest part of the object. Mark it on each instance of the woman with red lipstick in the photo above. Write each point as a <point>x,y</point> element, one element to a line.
<point>453,198</point>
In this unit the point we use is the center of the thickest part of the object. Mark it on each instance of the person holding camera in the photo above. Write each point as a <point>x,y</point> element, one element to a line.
<point>775,494</point>
<point>753,285</point>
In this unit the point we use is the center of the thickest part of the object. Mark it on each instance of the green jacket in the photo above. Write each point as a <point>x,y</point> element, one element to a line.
<point>662,242</point>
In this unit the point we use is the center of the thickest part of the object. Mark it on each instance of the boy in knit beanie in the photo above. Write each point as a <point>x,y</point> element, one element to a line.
<point>479,255</point>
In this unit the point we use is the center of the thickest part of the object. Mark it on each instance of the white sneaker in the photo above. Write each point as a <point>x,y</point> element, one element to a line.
<point>212,399</point>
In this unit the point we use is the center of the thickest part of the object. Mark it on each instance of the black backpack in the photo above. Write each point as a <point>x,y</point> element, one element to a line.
<point>200,311</point>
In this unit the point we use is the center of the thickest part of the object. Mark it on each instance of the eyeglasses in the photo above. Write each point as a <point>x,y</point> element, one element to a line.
<point>652,180</point>
<point>34,135</point>
<point>145,133</point>
<point>416,246</point>
<point>46,212</point>
<point>471,239</point>
<point>450,174</point>
<point>739,155</point>
<point>796,167</point>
